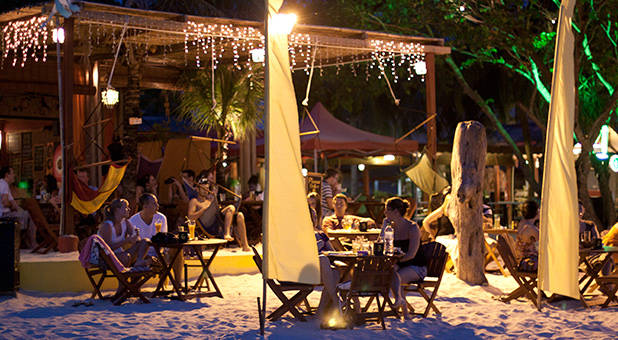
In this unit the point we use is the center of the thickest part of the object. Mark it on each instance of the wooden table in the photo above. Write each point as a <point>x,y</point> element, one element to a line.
<point>195,291</point>
<point>491,254</point>
<point>592,271</point>
<point>370,234</point>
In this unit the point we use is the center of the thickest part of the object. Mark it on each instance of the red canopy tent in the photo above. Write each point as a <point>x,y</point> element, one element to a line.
<point>336,135</point>
<point>340,138</point>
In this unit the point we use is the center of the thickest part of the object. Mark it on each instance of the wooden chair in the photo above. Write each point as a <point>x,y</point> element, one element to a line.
<point>129,281</point>
<point>436,256</point>
<point>287,304</point>
<point>527,281</point>
<point>608,285</point>
<point>49,233</point>
<point>91,273</point>
<point>337,245</point>
<point>372,277</point>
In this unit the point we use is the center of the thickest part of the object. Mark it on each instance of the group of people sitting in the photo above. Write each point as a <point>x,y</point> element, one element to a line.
<point>407,237</point>
<point>198,199</point>
<point>127,233</point>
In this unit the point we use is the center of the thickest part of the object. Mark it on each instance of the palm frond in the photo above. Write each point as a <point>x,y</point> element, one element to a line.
<point>238,94</point>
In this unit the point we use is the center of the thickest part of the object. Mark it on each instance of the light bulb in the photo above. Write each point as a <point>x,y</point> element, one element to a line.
<point>282,23</point>
<point>58,35</point>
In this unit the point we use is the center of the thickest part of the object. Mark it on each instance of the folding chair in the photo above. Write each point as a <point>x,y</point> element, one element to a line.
<point>287,304</point>
<point>608,285</point>
<point>130,282</point>
<point>91,273</point>
<point>527,281</point>
<point>372,277</point>
<point>436,256</point>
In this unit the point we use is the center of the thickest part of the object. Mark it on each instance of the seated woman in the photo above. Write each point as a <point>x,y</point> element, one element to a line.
<point>587,225</point>
<point>340,218</point>
<point>437,222</point>
<point>205,208</point>
<point>412,266</point>
<point>315,208</point>
<point>122,236</point>
<point>526,251</point>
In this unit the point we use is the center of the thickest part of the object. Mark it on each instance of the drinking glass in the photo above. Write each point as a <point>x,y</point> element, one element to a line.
<point>191,226</point>
<point>158,225</point>
<point>347,225</point>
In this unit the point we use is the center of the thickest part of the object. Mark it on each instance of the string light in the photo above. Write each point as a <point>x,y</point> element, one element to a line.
<point>27,38</point>
<point>23,39</point>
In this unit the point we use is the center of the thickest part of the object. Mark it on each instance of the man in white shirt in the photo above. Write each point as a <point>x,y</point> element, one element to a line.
<point>147,220</point>
<point>9,208</point>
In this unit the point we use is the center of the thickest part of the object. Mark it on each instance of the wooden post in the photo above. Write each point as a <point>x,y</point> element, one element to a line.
<point>68,65</point>
<point>366,189</point>
<point>498,184</point>
<point>430,94</point>
<point>464,209</point>
<point>509,195</point>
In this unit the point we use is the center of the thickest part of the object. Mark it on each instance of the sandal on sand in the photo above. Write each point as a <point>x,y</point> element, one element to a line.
<point>87,303</point>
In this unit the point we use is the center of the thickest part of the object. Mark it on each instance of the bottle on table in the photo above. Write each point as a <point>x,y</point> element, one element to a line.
<point>389,238</point>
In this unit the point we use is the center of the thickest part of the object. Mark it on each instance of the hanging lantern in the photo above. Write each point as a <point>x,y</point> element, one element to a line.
<point>109,97</point>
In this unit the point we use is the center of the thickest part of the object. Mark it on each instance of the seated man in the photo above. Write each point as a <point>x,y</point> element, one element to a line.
<point>339,219</point>
<point>184,190</point>
<point>150,221</point>
<point>216,221</point>
<point>9,208</point>
<point>526,244</point>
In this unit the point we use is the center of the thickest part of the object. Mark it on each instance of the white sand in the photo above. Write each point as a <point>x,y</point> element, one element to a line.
<point>468,312</point>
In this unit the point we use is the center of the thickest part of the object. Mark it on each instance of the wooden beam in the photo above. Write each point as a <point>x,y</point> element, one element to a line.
<point>67,94</point>
<point>48,88</point>
<point>430,103</point>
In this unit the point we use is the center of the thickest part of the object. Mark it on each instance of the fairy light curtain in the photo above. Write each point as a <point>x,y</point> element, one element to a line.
<point>195,44</point>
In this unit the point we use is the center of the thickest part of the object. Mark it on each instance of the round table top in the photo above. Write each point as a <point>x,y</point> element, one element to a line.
<point>604,249</point>
<point>500,231</point>
<point>206,242</point>
<point>353,232</point>
<point>351,254</point>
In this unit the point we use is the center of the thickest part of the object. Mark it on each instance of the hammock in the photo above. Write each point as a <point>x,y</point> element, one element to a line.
<point>85,200</point>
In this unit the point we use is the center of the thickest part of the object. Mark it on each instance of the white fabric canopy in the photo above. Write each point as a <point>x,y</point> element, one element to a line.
<point>425,177</point>
<point>290,249</point>
<point>559,232</point>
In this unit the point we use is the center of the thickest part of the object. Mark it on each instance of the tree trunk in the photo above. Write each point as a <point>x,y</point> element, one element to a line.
<point>582,167</point>
<point>465,206</point>
<point>608,217</point>
<point>486,109</point>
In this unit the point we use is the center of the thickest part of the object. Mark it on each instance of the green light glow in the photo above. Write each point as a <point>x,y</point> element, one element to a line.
<point>22,185</point>
<point>539,84</point>
<point>595,67</point>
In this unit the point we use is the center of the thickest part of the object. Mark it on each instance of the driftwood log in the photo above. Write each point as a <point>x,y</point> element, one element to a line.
<point>464,208</point>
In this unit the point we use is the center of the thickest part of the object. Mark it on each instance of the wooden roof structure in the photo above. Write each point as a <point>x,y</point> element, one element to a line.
<point>175,42</point>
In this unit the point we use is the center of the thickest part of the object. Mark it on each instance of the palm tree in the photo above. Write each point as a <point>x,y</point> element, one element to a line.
<point>237,104</point>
